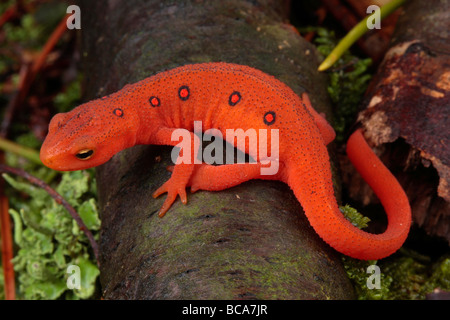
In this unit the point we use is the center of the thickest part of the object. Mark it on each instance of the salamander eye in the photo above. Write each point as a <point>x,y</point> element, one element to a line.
<point>84,154</point>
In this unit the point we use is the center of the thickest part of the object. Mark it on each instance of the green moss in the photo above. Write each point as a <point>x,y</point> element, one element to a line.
<point>403,277</point>
<point>358,273</point>
<point>65,101</point>
<point>356,218</point>
<point>48,239</point>
<point>414,279</point>
<point>27,32</point>
<point>35,27</point>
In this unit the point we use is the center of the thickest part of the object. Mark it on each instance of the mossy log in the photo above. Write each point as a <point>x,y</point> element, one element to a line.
<point>248,242</point>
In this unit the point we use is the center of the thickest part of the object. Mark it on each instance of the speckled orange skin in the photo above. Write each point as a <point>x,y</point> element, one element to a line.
<point>147,113</point>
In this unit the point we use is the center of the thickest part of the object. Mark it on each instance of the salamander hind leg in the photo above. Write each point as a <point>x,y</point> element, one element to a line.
<point>216,178</point>
<point>326,130</point>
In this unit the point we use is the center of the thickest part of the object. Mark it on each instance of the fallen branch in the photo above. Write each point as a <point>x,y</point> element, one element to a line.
<point>28,74</point>
<point>27,153</point>
<point>7,252</point>
<point>9,14</point>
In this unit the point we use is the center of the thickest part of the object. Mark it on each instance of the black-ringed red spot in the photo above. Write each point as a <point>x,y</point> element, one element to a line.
<point>118,112</point>
<point>235,97</point>
<point>269,118</point>
<point>154,101</point>
<point>184,93</point>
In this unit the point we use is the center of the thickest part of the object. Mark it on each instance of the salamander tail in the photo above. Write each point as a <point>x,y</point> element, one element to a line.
<point>319,203</point>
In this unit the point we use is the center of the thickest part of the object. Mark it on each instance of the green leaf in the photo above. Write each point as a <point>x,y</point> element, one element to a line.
<point>73,185</point>
<point>18,227</point>
<point>65,101</point>
<point>89,214</point>
<point>39,242</point>
<point>45,290</point>
<point>41,196</point>
<point>36,269</point>
<point>59,257</point>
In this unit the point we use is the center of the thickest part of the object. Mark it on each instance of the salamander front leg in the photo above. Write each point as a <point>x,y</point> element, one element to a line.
<point>181,173</point>
<point>175,186</point>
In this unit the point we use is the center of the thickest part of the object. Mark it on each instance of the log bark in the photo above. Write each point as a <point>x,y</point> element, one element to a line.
<point>248,242</point>
<point>408,110</point>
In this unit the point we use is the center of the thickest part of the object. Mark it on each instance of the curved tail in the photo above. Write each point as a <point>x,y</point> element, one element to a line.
<point>320,206</point>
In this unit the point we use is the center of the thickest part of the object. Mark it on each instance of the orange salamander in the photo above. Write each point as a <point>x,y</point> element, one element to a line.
<point>229,96</point>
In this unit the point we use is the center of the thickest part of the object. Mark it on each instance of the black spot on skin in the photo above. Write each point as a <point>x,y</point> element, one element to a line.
<point>184,93</point>
<point>269,118</point>
<point>235,97</point>
<point>154,101</point>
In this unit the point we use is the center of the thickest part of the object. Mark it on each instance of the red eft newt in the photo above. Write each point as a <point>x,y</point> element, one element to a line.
<point>223,96</point>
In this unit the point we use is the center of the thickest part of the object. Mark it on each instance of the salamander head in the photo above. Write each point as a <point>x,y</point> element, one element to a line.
<point>89,135</point>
